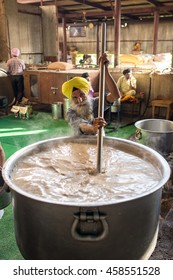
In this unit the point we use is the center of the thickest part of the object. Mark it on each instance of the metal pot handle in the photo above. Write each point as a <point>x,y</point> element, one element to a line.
<point>5,196</point>
<point>138,134</point>
<point>89,227</point>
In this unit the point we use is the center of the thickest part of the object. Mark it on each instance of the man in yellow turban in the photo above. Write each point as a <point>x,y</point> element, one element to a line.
<point>83,111</point>
<point>76,82</point>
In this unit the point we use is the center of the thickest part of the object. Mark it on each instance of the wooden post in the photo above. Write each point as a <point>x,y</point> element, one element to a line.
<point>117,29</point>
<point>64,55</point>
<point>155,33</point>
<point>57,32</point>
<point>97,43</point>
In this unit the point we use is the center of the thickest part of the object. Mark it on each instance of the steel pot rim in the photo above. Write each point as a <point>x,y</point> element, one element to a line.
<point>7,168</point>
<point>138,123</point>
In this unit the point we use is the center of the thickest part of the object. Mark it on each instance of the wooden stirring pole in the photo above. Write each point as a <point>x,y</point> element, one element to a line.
<point>101,99</point>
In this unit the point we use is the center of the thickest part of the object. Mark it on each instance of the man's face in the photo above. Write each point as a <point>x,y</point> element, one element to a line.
<point>81,104</point>
<point>128,75</point>
<point>79,97</point>
<point>88,79</point>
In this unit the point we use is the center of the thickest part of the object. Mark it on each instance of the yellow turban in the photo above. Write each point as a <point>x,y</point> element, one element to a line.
<point>77,82</point>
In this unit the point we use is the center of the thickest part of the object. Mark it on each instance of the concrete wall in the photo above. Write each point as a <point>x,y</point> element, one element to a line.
<point>21,29</point>
<point>142,32</point>
<point>30,34</point>
<point>33,30</point>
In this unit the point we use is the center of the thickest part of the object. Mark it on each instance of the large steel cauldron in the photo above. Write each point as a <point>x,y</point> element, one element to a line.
<point>5,195</point>
<point>6,89</point>
<point>125,230</point>
<point>156,133</point>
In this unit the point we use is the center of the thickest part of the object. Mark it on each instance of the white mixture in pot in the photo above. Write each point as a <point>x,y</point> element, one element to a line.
<point>67,173</point>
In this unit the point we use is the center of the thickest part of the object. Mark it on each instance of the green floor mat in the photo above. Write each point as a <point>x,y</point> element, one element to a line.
<point>8,246</point>
<point>121,132</point>
<point>20,133</point>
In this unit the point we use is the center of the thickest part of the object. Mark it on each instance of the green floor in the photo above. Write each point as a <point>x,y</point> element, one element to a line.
<point>17,133</point>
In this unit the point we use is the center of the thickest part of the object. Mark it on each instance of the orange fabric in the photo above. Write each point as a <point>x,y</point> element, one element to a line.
<point>127,97</point>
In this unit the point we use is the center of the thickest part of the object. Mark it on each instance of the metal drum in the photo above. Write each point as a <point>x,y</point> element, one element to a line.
<point>57,110</point>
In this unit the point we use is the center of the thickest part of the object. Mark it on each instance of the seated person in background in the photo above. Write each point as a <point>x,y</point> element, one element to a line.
<point>87,59</point>
<point>127,85</point>
<point>83,111</point>
<point>91,90</point>
<point>137,46</point>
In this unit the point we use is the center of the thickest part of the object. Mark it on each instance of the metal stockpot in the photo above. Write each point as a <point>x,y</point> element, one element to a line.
<point>57,110</point>
<point>126,229</point>
<point>156,133</point>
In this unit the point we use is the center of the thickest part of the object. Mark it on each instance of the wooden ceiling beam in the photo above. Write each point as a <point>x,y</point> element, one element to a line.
<point>155,3</point>
<point>91,4</point>
<point>124,11</point>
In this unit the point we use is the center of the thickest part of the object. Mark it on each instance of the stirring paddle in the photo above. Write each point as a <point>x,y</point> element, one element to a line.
<point>101,99</point>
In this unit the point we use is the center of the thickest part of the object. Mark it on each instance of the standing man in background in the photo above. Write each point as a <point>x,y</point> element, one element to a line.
<point>15,68</point>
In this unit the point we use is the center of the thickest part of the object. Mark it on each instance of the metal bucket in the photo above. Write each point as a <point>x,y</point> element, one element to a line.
<point>156,133</point>
<point>57,110</point>
<point>66,105</point>
<point>116,106</point>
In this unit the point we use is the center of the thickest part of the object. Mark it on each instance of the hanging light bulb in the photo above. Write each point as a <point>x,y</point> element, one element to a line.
<point>91,25</point>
